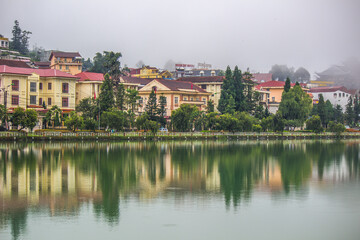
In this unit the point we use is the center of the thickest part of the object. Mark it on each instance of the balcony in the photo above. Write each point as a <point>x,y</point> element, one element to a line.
<point>194,102</point>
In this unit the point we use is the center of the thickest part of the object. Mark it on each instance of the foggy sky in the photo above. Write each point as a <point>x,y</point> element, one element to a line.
<point>248,33</point>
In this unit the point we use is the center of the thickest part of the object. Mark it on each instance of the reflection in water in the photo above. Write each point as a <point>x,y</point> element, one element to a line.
<point>61,177</point>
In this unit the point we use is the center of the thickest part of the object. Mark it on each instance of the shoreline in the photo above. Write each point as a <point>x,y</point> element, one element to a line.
<point>54,136</point>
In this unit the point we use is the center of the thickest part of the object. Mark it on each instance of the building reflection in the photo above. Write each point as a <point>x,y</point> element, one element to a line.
<point>61,176</point>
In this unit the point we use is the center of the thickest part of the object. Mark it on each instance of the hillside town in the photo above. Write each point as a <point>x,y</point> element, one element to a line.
<point>61,90</point>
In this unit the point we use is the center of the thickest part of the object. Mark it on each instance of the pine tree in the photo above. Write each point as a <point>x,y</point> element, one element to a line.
<point>106,95</point>
<point>237,92</point>
<point>162,110</point>
<point>20,40</point>
<point>287,85</point>
<point>321,109</point>
<point>231,107</point>
<point>338,114</point>
<point>356,110</point>
<point>120,96</point>
<point>210,106</point>
<point>151,107</point>
<point>349,113</point>
<point>226,88</point>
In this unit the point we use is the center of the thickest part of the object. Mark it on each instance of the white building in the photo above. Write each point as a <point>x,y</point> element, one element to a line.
<point>337,95</point>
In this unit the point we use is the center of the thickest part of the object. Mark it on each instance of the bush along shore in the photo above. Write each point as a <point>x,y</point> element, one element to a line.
<point>143,136</point>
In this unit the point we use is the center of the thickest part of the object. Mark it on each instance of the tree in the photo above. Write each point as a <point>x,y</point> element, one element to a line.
<point>338,114</point>
<point>281,72</point>
<point>295,104</point>
<point>112,64</point>
<point>31,119</point>
<point>115,119</point>
<point>321,110</point>
<point>211,120</point>
<point>141,122</point>
<point>153,126</point>
<point>302,75</point>
<point>151,107</point>
<point>230,107</point>
<point>98,63</point>
<point>162,110</point>
<point>132,98</point>
<point>337,128</point>
<point>356,110</point>
<point>314,124</point>
<point>226,91</point>
<point>89,124</point>
<point>229,123</point>
<point>20,40</point>
<point>73,121</point>
<point>237,92</point>
<point>278,122</point>
<point>349,112</point>
<point>18,118</point>
<point>210,106</point>
<point>120,97</point>
<point>86,64</point>
<point>287,85</point>
<point>54,116</point>
<point>88,107</point>
<point>3,115</point>
<point>184,117</point>
<point>106,96</point>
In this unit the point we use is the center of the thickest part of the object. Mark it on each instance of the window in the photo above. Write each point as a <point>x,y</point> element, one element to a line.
<point>49,101</point>
<point>191,99</point>
<point>141,100</point>
<point>14,99</point>
<point>40,101</point>
<point>40,86</point>
<point>204,100</point>
<point>32,86</point>
<point>49,86</point>
<point>65,88</point>
<point>79,67</point>
<point>273,99</point>
<point>335,95</point>
<point>197,99</point>
<point>176,100</point>
<point>67,67</point>
<point>65,102</point>
<point>60,67</point>
<point>203,86</point>
<point>15,85</point>
<point>32,100</point>
<point>343,94</point>
<point>185,98</point>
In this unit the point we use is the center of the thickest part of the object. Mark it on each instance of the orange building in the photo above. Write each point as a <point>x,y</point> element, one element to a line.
<point>69,62</point>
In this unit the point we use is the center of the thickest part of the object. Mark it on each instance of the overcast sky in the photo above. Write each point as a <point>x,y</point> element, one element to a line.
<point>248,33</point>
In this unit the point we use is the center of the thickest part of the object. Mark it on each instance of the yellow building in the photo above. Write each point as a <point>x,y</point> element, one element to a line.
<point>4,42</point>
<point>31,88</point>
<point>176,93</point>
<point>69,62</point>
<point>152,72</point>
<point>211,84</point>
<point>88,85</point>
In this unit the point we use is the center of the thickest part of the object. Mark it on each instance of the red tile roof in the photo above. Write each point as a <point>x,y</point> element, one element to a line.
<point>29,71</point>
<point>330,89</point>
<point>134,80</point>
<point>42,64</point>
<point>90,76</point>
<point>64,54</point>
<point>276,84</point>
<point>177,86</point>
<point>14,63</point>
<point>261,77</point>
<point>202,79</point>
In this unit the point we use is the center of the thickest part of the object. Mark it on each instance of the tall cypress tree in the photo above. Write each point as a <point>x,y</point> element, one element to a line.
<point>321,109</point>
<point>287,85</point>
<point>227,88</point>
<point>151,108</point>
<point>356,110</point>
<point>106,96</point>
<point>162,110</point>
<point>238,91</point>
<point>120,96</point>
<point>349,112</point>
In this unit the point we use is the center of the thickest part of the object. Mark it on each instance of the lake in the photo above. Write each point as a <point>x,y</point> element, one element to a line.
<point>180,190</point>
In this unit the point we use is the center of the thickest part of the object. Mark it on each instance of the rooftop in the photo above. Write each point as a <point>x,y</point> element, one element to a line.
<point>64,54</point>
<point>29,71</point>
<point>261,77</point>
<point>201,79</point>
<point>179,85</point>
<point>135,80</point>
<point>14,63</point>
<point>330,89</point>
<point>90,76</point>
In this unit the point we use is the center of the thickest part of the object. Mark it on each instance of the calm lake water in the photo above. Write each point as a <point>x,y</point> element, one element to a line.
<point>180,190</point>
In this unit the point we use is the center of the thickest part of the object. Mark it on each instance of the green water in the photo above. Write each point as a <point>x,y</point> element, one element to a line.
<point>180,190</point>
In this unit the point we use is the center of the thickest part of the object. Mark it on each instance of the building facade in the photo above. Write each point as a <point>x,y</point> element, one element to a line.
<point>338,95</point>
<point>176,94</point>
<point>88,85</point>
<point>33,88</point>
<point>69,62</point>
